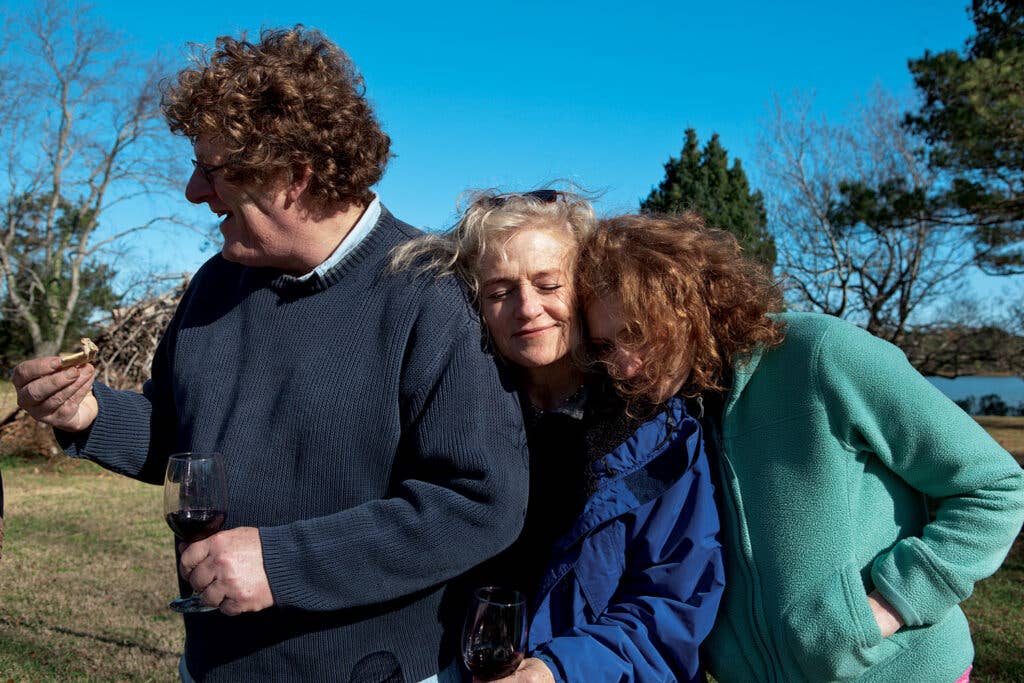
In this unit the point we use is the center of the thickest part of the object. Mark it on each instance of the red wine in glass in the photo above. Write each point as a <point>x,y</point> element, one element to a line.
<point>491,662</point>
<point>195,506</point>
<point>494,638</point>
<point>195,525</point>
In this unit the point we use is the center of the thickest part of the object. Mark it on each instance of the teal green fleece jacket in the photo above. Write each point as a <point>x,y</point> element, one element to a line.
<point>828,446</point>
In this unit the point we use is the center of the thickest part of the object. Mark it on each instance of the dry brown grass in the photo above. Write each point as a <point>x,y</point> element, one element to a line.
<point>87,572</point>
<point>8,402</point>
<point>1008,431</point>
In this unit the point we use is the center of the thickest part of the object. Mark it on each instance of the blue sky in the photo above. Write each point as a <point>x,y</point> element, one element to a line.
<point>516,94</point>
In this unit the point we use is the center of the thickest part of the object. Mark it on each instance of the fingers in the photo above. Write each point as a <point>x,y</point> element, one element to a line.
<point>70,407</point>
<point>34,369</point>
<point>37,390</point>
<point>203,576</point>
<point>191,557</point>
<point>213,595</point>
<point>227,569</point>
<point>230,607</point>
<point>63,399</point>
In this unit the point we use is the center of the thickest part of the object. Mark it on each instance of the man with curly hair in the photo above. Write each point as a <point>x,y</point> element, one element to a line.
<point>372,455</point>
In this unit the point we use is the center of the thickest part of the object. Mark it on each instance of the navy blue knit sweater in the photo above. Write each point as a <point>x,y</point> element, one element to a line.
<point>365,433</point>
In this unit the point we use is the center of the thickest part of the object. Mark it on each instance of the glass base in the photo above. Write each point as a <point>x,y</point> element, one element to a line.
<point>190,605</point>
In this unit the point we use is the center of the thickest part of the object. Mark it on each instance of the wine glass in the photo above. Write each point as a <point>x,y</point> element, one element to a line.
<point>195,505</point>
<point>494,638</point>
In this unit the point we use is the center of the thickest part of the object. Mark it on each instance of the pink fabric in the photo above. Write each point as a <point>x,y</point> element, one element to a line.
<point>966,677</point>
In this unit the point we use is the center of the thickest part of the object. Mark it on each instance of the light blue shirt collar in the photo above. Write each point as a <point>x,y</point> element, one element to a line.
<point>352,240</point>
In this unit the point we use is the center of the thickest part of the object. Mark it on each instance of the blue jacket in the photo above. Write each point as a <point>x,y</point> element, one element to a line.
<point>633,587</point>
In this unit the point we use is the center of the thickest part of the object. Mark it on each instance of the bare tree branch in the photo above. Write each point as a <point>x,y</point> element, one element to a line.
<point>80,116</point>
<point>849,205</point>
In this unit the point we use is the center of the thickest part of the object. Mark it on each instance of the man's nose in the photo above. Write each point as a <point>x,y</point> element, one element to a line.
<point>198,189</point>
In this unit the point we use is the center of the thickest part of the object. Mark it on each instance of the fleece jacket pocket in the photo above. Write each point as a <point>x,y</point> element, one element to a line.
<point>832,632</point>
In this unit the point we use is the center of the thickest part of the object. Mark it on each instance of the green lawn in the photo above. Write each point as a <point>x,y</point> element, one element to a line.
<point>996,614</point>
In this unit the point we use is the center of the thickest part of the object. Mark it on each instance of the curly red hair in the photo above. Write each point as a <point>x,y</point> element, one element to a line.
<point>690,299</point>
<point>293,98</point>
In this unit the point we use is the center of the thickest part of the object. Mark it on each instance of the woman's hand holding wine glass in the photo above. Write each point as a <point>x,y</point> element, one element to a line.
<point>532,670</point>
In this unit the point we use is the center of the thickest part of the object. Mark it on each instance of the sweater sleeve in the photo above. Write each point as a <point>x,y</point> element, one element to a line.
<point>134,432</point>
<point>886,407</point>
<point>130,435</point>
<point>460,496</point>
<point>666,601</point>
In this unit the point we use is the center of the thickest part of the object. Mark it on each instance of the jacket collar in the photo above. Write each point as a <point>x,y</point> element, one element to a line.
<point>745,367</point>
<point>639,470</point>
<point>634,472</point>
<point>743,371</point>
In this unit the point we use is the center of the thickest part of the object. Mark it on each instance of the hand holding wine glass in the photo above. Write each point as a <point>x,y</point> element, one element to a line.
<point>227,568</point>
<point>195,505</point>
<point>532,670</point>
<point>494,638</point>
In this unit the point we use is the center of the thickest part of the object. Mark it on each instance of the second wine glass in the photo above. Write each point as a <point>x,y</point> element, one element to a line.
<point>195,505</point>
<point>494,638</point>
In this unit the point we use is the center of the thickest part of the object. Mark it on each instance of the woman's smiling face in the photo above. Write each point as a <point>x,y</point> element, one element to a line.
<point>526,296</point>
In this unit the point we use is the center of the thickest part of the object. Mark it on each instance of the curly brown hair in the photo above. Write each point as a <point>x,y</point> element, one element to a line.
<point>690,300</point>
<point>293,98</point>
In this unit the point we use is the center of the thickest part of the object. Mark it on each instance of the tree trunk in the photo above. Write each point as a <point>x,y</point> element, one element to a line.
<point>46,348</point>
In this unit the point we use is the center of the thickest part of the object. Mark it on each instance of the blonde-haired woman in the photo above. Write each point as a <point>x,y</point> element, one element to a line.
<point>618,556</point>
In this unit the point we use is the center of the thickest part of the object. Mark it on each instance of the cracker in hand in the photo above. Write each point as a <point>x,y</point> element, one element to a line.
<point>87,354</point>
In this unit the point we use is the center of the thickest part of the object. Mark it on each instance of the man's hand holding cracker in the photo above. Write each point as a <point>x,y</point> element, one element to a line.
<point>57,390</point>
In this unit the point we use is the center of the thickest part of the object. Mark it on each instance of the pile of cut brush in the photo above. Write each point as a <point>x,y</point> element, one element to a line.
<point>127,342</point>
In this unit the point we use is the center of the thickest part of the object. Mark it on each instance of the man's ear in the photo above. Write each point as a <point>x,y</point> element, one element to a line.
<point>301,175</point>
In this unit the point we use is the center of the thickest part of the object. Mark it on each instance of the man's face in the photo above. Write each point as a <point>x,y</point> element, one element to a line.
<point>256,226</point>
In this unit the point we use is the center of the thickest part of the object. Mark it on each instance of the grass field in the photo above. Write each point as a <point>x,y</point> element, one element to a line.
<point>88,570</point>
<point>7,400</point>
<point>1008,431</point>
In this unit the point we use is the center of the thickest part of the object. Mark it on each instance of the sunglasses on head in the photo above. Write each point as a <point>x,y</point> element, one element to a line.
<point>543,196</point>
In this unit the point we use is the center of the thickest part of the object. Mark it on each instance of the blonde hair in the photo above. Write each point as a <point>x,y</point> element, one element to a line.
<point>488,220</point>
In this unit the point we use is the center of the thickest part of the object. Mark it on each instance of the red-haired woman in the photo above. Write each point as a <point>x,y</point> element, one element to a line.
<point>827,444</point>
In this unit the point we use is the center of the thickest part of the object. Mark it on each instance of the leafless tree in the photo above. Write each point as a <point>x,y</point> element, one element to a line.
<point>80,119</point>
<point>849,205</point>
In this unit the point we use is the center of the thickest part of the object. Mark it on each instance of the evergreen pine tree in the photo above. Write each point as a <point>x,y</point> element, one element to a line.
<point>972,113</point>
<point>702,181</point>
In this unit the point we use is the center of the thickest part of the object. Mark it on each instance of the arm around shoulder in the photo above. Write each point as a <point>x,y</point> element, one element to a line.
<point>459,496</point>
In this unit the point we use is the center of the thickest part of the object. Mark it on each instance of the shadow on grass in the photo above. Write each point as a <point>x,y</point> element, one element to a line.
<point>27,654</point>
<point>118,642</point>
<point>1007,669</point>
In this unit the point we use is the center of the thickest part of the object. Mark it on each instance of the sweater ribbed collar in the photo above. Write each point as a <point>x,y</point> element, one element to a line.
<point>291,286</point>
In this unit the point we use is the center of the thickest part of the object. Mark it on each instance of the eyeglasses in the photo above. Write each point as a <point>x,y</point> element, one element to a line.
<point>543,196</point>
<point>208,170</point>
